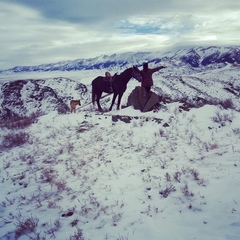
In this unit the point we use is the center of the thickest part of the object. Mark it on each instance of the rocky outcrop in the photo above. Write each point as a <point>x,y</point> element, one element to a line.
<point>25,97</point>
<point>142,100</point>
<point>128,119</point>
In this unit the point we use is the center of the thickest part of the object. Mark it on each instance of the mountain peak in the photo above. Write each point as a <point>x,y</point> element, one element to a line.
<point>194,58</point>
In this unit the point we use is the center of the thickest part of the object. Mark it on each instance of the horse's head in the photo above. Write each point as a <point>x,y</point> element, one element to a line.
<point>136,73</point>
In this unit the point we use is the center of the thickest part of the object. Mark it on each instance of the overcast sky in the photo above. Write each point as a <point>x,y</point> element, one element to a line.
<point>46,31</point>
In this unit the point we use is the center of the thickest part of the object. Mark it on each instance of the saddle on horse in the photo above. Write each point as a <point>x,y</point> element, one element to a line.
<point>109,78</point>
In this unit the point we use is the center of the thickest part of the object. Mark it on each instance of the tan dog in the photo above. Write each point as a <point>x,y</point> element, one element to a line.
<point>73,105</point>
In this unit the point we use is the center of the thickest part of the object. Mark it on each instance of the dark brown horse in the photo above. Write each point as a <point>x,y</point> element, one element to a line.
<point>117,86</point>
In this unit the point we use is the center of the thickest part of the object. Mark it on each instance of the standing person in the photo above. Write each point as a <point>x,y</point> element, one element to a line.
<point>147,73</point>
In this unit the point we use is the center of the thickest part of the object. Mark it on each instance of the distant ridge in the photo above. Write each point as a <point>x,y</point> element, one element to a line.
<point>198,57</point>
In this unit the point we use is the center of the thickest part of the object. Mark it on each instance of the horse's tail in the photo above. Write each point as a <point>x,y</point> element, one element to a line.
<point>93,95</point>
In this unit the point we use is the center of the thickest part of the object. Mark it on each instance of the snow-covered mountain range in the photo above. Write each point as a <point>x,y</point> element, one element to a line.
<point>195,59</point>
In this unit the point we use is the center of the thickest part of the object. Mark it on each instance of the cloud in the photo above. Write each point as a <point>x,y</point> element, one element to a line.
<point>95,11</point>
<point>36,32</point>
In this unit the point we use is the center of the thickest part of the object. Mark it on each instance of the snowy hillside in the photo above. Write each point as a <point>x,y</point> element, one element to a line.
<point>165,175</point>
<point>25,97</point>
<point>42,92</point>
<point>172,173</point>
<point>196,76</point>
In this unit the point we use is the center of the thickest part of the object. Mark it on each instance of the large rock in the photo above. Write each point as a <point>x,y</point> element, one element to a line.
<point>142,100</point>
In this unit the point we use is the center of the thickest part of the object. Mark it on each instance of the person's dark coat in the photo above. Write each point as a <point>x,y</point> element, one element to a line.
<point>146,74</point>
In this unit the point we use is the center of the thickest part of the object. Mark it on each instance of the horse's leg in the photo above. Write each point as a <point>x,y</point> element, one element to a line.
<point>98,101</point>
<point>113,100</point>
<point>119,100</point>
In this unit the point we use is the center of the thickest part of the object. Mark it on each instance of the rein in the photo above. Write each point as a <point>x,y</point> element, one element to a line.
<point>91,102</point>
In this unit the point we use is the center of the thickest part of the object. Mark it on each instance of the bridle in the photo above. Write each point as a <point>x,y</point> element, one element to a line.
<point>136,74</point>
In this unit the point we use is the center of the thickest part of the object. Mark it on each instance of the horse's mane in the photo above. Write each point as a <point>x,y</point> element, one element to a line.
<point>120,74</point>
<point>124,72</point>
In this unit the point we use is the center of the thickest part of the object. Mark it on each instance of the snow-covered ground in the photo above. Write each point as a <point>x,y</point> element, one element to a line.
<point>168,174</point>
<point>84,176</point>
